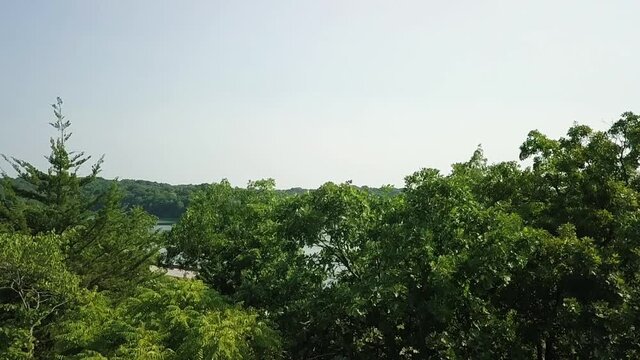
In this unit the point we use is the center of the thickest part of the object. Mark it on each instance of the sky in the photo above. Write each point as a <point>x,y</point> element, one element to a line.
<point>309,91</point>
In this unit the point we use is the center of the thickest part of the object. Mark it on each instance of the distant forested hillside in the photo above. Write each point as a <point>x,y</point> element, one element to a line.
<point>162,200</point>
<point>168,201</point>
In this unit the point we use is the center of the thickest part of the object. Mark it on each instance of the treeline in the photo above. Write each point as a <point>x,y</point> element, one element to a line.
<point>161,200</point>
<point>165,201</point>
<point>490,261</point>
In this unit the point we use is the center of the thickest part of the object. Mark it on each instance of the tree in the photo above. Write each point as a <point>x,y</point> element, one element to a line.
<point>54,198</point>
<point>165,319</point>
<point>108,247</point>
<point>231,237</point>
<point>12,214</point>
<point>35,287</point>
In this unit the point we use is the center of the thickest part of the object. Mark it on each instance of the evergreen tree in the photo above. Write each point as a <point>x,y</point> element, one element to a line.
<point>52,200</point>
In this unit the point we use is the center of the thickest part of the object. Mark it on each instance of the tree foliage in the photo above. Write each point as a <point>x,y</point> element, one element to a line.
<point>488,261</point>
<point>76,279</point>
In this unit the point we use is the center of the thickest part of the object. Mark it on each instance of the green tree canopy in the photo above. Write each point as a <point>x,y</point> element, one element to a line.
<point>76,281</point>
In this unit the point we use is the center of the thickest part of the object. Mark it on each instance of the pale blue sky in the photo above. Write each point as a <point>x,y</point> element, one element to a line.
<point>309,91</point>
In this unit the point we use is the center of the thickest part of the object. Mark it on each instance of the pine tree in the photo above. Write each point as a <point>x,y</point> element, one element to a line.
<point>52,200</point>
<point>107,246</point>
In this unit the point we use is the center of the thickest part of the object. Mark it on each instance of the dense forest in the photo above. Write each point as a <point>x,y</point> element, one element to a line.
<point>167,202</point>
<point>530,259</point>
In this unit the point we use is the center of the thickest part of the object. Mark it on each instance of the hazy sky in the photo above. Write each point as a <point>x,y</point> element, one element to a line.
<point>309,91</point>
